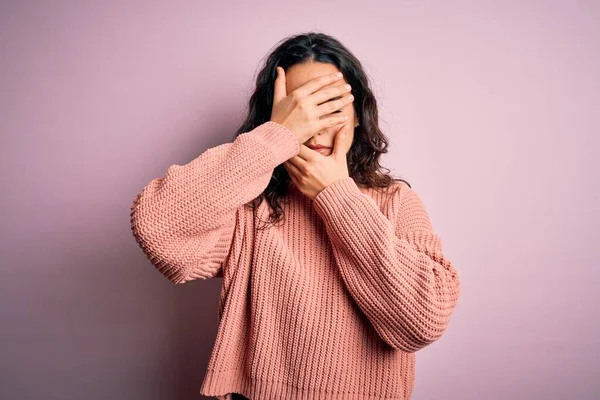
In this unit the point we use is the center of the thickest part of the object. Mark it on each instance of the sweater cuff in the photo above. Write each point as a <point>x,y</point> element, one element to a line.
<point>279,139</point>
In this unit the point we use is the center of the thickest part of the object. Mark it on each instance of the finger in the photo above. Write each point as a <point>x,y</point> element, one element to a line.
<point>340,143</point>
<point>332,120</point>
<point>293,171</point>
<point>294,180</point>
<point>297,162</point>
<point>280,91</point>
<point>317,83</point>
<point>306,154</point>
<point>334,105</point>
<point>330,93</point>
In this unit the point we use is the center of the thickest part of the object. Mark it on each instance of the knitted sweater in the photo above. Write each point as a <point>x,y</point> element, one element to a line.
<point>331,304</point>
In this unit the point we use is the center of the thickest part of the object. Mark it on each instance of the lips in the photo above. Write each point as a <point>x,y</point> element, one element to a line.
<point>323,150</point>
<point>318,147</point>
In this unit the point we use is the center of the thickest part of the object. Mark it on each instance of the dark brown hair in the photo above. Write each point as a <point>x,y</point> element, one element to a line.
<point>369,142</point>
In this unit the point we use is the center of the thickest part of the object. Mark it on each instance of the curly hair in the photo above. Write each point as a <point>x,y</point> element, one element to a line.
<point>369,142</point>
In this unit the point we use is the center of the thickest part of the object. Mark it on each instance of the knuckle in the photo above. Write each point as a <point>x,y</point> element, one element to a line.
<point>301,104</point>
<point>304,102</point>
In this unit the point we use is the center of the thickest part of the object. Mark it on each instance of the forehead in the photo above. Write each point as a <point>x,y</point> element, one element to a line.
<point>299,74</point>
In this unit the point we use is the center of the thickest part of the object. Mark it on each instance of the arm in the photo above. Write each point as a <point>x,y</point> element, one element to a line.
<point>186,220</point>
<point>396,273</point>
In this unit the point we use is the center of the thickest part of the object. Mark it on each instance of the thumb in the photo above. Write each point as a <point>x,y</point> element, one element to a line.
<point>339,143</point>
<point>280,92</point>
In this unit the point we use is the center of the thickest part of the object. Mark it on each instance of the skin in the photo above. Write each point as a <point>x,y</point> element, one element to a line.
<point>312,171</point>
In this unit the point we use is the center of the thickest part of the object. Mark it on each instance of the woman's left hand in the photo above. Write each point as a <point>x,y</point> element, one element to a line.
<point>312,171</point>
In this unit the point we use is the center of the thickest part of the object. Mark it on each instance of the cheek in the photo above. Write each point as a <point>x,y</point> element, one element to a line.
<point>350,139</point>
<point>348,110</point>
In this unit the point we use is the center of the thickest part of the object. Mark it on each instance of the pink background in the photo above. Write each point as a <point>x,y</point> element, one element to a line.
<point>492,113</point>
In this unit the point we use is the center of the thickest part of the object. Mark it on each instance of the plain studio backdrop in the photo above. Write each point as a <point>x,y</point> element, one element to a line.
<point>491,109</point>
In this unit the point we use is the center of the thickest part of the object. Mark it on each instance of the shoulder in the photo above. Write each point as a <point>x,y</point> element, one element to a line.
<point>396,190</point>
<point>388,197</point>
<point>410,210</point>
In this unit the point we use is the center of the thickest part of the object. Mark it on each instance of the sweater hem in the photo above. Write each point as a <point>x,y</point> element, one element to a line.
<point>221,384</point>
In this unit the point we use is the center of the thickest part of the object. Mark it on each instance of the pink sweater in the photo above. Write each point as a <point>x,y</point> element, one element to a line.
<point>332,304</point>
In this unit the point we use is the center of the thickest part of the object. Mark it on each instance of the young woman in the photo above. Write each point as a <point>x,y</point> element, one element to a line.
<point>332,274</point>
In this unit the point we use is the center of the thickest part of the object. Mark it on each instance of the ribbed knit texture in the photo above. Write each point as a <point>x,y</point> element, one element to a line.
<point>331,304</point>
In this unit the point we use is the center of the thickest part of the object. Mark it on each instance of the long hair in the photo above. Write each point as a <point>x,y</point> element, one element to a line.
<point>369,142</point>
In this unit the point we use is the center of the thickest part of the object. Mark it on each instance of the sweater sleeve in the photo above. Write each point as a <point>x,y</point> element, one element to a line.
<point>186,220</point>
<point>396,272</point>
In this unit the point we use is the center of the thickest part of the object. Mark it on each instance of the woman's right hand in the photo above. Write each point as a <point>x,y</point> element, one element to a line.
<point>301,110</point>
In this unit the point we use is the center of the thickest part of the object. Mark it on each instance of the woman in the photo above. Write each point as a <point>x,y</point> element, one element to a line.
<point>332,274</point>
